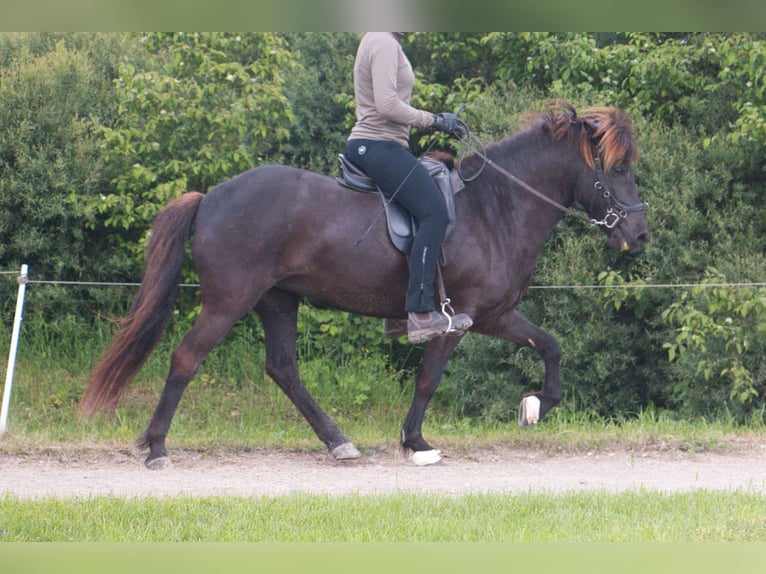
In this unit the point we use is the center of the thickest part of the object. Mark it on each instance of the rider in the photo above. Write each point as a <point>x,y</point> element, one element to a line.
<point>378,144</point>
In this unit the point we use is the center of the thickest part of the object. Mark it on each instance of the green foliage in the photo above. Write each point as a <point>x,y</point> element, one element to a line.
<point>743,61</point>
<point>442,57</point>
<point>490,519</point>
<point>42,171</point>
<point>659,76</point>
<point>320,88</point>
<point>720,337</point>
<point>619,293</point>
<point>696,79</point>
<point>53,89</point>
<point>99,131</point>
<point>329,332</point>
<point>209,106</point>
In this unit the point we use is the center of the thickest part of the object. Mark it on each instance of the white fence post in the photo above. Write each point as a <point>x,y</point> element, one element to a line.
<point>14,346</point>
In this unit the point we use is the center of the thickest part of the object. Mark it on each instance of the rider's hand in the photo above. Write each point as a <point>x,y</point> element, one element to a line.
<point>448,123</point>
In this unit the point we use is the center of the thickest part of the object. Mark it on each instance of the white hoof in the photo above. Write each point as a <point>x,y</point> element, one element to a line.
<point>426,457</point>
<point>345,451</point>
<point>161,463</point>
<point>529,411</point>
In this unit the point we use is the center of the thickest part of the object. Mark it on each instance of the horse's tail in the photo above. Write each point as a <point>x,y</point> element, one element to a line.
<point>152,307</point>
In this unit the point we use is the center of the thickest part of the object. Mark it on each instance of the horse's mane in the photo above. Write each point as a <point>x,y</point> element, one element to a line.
<point>606,128</point>
<point>603,132</point>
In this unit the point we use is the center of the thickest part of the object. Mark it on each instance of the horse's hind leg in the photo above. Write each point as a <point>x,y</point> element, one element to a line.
<point>278,311</point>
<point>206,333</point>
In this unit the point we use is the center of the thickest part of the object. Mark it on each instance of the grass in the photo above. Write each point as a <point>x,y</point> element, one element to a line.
<point>233,406</point>
<point>232,410</point>
<point>213,417</point>
<point>216,410</point>
<point>232,403</point>
<point>594,517</point>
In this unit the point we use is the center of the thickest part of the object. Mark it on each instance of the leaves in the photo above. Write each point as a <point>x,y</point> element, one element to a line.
<point>208,108</point>
<point>99,131</point>
<point>719,331</point>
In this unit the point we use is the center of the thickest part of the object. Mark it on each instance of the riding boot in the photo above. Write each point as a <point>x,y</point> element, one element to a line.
<point>422,327</point>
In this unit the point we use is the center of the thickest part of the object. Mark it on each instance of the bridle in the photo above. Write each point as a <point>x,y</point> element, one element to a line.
<point>616,211</point>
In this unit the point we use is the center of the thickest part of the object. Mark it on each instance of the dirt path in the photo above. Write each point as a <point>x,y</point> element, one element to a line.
<point>270,473</point>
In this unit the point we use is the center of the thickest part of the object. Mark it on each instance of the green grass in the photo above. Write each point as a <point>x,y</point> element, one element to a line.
<point>233,405</point>
<point>229,414</point>
<point>597,517</point>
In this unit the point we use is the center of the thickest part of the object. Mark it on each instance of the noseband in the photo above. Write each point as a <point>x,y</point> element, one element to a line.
<point>616,210</point>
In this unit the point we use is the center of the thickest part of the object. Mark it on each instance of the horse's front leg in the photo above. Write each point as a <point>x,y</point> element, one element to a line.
<point>437,353</point>
<point>515,327</point>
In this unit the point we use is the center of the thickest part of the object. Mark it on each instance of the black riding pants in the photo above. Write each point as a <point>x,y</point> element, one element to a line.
<point>399,174</point>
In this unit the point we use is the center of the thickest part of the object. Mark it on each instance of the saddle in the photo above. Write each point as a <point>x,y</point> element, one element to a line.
<point>401,225</point>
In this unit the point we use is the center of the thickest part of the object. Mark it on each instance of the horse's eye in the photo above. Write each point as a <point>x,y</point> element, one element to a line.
<point>619,170</point>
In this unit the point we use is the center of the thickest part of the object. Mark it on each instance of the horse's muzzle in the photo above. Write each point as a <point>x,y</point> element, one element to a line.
<point>622,239</point>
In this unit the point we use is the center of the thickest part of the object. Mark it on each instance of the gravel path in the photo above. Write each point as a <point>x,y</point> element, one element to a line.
<point>270,473</point>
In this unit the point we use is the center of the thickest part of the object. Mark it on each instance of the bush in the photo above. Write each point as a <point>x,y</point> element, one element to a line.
<point>206,107</point>
<point>718,353</point>
<point>54,89</point>
<point>87,157</point>
<point>320,90</point>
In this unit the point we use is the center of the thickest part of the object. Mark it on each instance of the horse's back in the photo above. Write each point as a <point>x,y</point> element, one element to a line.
<point>288,222</point>
<point>271,195</point>
<point>265,185</point>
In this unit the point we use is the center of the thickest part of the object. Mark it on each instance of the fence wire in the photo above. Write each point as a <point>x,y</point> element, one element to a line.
<point>733,285</point>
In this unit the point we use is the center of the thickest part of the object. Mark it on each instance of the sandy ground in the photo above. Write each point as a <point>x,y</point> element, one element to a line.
<point>271,473</point>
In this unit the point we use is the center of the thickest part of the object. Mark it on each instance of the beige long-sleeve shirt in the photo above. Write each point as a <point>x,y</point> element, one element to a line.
<point>383,81</point>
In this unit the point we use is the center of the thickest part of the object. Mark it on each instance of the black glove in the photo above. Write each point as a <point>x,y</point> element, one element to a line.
<point>448,123</point>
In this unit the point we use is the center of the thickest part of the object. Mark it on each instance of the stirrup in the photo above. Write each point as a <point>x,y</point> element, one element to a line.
<point>448,312</point>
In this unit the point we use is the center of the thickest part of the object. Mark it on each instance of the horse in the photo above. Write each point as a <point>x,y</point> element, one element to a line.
<point>276,235</point>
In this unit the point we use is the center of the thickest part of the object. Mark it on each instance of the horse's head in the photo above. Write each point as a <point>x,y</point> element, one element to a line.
<point>606,186</point>
<point>608,191</point>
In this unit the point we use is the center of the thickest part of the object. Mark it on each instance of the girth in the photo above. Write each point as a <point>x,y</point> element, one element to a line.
<point>401,224</point>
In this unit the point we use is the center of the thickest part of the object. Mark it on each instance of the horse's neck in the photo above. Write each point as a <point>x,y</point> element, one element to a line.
<point>525,216</point>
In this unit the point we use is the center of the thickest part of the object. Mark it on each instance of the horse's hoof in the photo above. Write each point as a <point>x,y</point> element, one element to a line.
<point>160,463</point>
<point>529,411</point>
<point>426,457</point>
<point>345,451</point>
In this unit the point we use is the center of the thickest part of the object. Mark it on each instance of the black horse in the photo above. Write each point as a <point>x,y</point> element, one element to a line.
<point>275,234</point>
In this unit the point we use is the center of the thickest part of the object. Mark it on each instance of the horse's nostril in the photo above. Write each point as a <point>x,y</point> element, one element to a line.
<point>645,237</point>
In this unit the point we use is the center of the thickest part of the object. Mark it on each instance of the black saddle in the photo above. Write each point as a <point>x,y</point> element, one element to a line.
<point>401,225</point>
